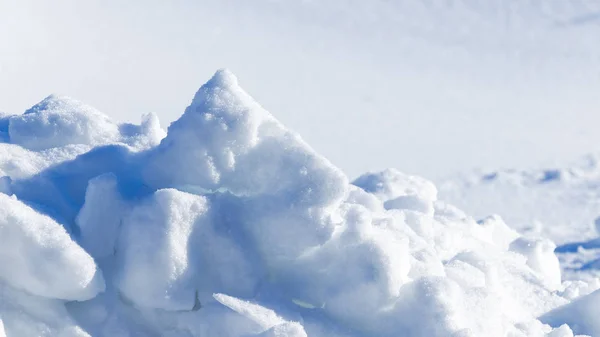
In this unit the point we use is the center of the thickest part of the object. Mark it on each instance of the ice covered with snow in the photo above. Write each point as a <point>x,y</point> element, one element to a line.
<point>233,226</point>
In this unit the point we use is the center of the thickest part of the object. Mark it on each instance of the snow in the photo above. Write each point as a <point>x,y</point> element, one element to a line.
<point>99,219</point>
<point>429,87</point>
<point>58,121</point>
<point>233,226</point>
<point>38,256</point>
<point>581,315</point>
<point>556,204</point>
<point>542,201</point>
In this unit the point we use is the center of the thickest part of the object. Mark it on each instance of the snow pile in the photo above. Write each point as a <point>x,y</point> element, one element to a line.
<point>58,121</point>
<point>58,129</point>
<point>233,226</point>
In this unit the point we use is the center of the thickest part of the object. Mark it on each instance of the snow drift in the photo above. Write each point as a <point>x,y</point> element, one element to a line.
<point>233,226</point>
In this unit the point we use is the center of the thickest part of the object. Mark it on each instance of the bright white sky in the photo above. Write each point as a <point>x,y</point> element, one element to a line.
<point>430,87</point>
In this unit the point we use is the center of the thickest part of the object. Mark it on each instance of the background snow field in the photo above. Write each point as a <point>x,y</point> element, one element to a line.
<point>230,225</point>
<point>429,86</point>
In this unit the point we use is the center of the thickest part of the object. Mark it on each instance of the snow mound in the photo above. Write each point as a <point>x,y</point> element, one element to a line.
<point>58,121</point>
<point>233,226</point>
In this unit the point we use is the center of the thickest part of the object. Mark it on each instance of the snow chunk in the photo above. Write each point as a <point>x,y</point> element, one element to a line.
<point>292,329</point>
<point>498,231</point>
<point>170,254</point>
<point>268,320</point>
<point>227,141</point>
<point>17,162</point>
<point>99,219</point>
<point>581,315</point>
<point>154,250</point>
<point>58,121</point>
<point>38,256</point>
<point>22,314</point>
<point>400,191</point>
<point>391,183</point>
<point>541,258</point>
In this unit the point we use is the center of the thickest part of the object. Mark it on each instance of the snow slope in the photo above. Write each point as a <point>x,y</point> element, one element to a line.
<point>233,226</point>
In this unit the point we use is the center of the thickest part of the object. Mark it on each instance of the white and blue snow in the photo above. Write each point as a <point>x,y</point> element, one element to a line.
<point>229,224</point>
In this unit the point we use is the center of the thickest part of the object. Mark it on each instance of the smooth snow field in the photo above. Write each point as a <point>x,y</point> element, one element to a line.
<point>229,224</point>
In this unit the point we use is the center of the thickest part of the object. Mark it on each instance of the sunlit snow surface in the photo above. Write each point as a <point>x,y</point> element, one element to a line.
<point>231,225</point>
<point>560,204</point>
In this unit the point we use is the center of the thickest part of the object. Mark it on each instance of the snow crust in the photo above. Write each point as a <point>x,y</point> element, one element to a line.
<point>234,226</point>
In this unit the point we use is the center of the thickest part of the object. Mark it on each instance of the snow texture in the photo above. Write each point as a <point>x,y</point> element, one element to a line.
<point>233,226</point>
<point>38,256</point>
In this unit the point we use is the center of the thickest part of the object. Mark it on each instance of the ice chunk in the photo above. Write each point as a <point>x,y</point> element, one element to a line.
<point>38,256</point>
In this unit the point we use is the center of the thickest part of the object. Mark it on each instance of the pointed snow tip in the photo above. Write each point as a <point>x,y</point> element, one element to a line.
<point>57,97</point>
<point>222,78</point>
<point>48,100</point>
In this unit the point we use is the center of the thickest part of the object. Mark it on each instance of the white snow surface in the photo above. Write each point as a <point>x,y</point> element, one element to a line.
<point>559,204</point>
<point>233,226</point>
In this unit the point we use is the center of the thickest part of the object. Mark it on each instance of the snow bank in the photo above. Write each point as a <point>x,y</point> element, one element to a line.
<point>233,226</point>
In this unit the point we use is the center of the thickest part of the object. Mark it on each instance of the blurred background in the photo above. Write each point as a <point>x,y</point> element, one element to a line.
<point>429,87</point>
